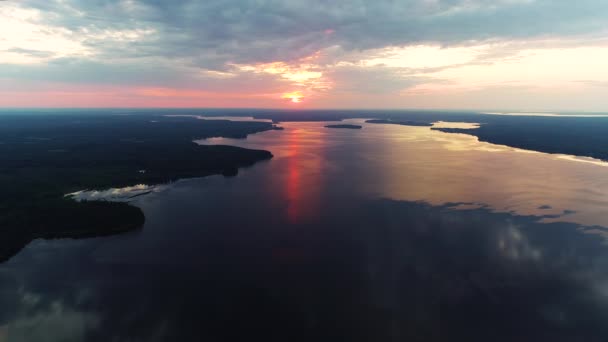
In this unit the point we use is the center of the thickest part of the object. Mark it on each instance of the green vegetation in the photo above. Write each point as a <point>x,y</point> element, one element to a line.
<point>44,157</point>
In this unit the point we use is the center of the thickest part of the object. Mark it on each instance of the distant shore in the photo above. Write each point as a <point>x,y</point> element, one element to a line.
<point>400,122</point>
<point>344,126</point>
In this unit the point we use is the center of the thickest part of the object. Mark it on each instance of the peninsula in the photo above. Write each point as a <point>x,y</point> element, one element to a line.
<point>45,157</point>
<point>579,136</point>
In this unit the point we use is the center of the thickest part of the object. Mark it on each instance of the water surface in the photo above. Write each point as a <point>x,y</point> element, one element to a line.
<point>388,233</point>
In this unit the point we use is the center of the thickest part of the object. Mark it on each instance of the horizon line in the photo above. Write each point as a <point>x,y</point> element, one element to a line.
<point>476,111</point>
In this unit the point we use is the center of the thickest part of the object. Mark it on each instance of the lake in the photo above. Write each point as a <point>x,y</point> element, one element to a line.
<point>388,233</point>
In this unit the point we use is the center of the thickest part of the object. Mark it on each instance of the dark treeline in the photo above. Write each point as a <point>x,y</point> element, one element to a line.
<point>44,157</point>
<point>344,126</point>
<point>567,135</point>
<point>400,122</point>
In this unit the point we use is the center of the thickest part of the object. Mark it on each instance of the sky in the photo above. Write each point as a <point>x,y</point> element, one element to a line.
<point>524,55</point>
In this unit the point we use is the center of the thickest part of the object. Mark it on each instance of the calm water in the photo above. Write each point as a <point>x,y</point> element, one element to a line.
<point>389,233</point>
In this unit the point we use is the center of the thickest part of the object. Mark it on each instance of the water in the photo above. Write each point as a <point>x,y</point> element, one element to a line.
<point>389,233</point>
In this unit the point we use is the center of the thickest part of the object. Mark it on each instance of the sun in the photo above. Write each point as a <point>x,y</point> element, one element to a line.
<point>293,97</point>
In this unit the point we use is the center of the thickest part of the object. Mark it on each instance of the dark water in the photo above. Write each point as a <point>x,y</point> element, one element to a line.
<point>389,233</point>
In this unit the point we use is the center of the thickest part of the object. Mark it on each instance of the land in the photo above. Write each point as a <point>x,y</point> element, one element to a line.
<point>580,136</point>
<point>400,122</point>
<point>47,154</point>
<point>44,157</point>
<point>587,137</point>
<point>345,126</point>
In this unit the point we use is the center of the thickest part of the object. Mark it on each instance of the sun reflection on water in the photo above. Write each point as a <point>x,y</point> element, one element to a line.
<point>420,164</point>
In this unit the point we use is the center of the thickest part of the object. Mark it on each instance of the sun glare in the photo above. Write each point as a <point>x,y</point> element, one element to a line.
<point>294,97</point>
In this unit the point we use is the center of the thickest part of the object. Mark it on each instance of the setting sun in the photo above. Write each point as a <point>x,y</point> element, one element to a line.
<point>294,96</point>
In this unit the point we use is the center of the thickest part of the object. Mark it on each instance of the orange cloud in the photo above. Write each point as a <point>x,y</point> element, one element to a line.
<point>304,73</point>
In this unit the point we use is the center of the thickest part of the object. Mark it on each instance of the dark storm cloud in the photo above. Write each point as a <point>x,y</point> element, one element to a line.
<point>211,33</point>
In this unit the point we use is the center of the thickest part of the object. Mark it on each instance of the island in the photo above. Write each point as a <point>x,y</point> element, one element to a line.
<point>345,126</point>
<point>44,157</point>
<point>400,122</point>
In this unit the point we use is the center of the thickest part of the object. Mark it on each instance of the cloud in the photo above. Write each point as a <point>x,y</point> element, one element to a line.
<point>32,53</point>
<point>313,47</point>
<point>213,32</point>
<point>374,79</point>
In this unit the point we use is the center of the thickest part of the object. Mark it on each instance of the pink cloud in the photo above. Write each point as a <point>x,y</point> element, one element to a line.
<point>110,96</point>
